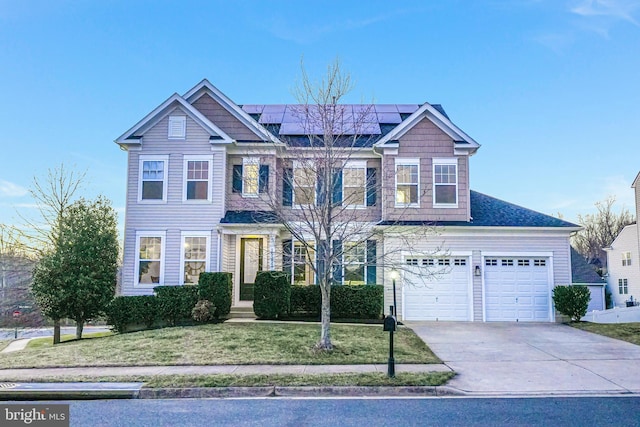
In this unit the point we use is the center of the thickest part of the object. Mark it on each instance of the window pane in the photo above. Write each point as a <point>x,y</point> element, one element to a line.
<point>149,272</point>
<point>195,248</point>
<point>406,194</point>
<point>353,177</point>
<point>353,195</point>
<point>153,170</point>
<point>446,194</point>
<point>198,169</point>
<point>197,190</point>
<point>152,190</point>
<point>354,274</point>
<point>445,174</point>
<point>407,174</point>
<point>150,248</point>
<point>304,195</point>
<point>192,270</point>
<point>251,177</point>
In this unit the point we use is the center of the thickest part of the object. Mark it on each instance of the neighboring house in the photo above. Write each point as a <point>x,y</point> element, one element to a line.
<point>199,165</point>
<point>584,274</point>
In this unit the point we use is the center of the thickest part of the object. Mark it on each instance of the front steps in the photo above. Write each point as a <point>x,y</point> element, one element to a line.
<point>242,313</point>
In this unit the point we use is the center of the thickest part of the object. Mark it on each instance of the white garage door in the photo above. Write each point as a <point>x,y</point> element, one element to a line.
<point>517,289</point>
<point>436,289</point>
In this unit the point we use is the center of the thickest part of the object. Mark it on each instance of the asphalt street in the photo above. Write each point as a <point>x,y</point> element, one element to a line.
<point>8,334</point>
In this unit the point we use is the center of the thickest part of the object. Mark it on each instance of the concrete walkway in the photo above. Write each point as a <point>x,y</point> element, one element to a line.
<point>532,358</point>
<point>16,345</point>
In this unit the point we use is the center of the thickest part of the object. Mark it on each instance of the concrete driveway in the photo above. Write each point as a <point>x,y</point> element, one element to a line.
<point>532,358</point>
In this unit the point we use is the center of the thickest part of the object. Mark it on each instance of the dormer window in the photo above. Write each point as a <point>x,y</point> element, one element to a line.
<point>177,127</point>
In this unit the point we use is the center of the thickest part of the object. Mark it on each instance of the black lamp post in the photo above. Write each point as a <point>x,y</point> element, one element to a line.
<point>394,276</point>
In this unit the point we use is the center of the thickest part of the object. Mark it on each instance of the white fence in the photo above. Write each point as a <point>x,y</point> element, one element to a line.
<point>614,315</point>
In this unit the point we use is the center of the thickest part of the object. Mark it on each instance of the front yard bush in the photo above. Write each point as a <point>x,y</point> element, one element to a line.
<point>216,288</point>
<point>125,312</point>
<point>175,303</point>
<point>347,301</point>
<point>203,311</point>
<point>572,301</point>
<point>271,295</point>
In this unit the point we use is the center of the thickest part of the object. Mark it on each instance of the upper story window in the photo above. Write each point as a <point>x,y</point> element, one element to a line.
<point>153,178</point>
<point>445,182</point>
<point>623,286</point>
<point>195,250</point>
<point>150,258</point>
<point>354,184</point>
<point>197,177</point>
<point>250,178</point>
<point>304,186</point>
<point>407,182</point>
<point>177,127</point>
<point>626,258</point>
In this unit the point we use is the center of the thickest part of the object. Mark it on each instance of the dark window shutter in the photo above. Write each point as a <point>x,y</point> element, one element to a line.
<point>371,186</point>
<point>287,187</point>
<point>336,196</point>
<point>263,180</point>
<point>286,256</point>
<point>337,262</point>
<point>371,262</point>
<point>320,260</point>
<point>237,179</point>
<point>321,196</point>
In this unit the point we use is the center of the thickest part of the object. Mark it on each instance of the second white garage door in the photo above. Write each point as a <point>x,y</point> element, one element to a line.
<point>437,289</point>
<point>517,289</point>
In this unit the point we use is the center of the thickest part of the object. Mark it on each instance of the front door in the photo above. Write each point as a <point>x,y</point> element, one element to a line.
<point>250,264</point>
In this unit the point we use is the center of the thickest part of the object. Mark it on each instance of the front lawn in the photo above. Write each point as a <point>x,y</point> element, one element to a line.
<point>629,332</point>
<point>224,344</point>
<point>3,344</point>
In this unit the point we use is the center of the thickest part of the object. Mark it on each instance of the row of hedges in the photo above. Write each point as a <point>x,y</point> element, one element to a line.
<point>275,298</point>
<point>171,305</point>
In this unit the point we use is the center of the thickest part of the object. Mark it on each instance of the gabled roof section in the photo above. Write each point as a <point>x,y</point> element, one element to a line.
<point>487,211</point>
<point>435,115</point>
<point>205,87</point>
<point>133,135</point>
<point>581,271</point>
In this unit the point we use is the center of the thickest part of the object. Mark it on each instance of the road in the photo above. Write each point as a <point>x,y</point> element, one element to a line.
<point>8,334</point>
<point>547,411</point>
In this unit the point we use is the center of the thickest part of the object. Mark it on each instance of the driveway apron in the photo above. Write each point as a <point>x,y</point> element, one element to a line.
<point>532,358</point>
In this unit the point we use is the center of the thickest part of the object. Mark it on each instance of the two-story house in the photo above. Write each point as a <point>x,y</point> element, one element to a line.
<point>623,260</point>
<point>203,173</point>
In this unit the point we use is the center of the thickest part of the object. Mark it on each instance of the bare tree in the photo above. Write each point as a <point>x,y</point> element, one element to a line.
<point>54,195</point>
<point>323,195</point>
<point>599,231</point>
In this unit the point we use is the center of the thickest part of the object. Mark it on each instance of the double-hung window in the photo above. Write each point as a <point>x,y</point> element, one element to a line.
<point>153,178</point>
<point>197,174</point>
<point>623,286</point>
<point>445,182</point>
<point>304,186</point>
<point>354,177</point>
<point>354,263</point>
<point>250,176</point>
<point>626,258</point>
<point>149,267</point>
<point>407,182</point>
<point>303,260</point>
<point>195,256</point>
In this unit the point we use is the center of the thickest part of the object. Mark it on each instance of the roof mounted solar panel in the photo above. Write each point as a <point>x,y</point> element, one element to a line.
<point>407,108</point>
<point>389,117</point>
<point>386,108</point>
<point>253,108</point>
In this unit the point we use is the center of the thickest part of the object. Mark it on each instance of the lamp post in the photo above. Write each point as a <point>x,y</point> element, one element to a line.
<point>394,276</point>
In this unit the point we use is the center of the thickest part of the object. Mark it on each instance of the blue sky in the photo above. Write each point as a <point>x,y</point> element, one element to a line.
<point>549,88</point>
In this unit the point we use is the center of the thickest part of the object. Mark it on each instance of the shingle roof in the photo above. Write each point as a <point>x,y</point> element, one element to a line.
<point>249,217</point>
<point>581,271</point>
<point>487,211</point>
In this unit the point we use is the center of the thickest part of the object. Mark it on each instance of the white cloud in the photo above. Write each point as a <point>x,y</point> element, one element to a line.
<point>612,9</point>
<point>9,189</point>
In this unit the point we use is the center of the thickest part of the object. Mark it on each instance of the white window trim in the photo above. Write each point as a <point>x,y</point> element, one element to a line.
<point>445,161</point>
<point>136,267</point>
<point>153,158</point>
<point>250,161</point>
<point>400,161</point>
<point>185,170</point>
<point>301,165</point>
<point>183,235</point>
<point>181,121</point>
<point>352,164</point>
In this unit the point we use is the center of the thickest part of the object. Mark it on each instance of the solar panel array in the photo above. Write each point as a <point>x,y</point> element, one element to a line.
<point>346,119</point>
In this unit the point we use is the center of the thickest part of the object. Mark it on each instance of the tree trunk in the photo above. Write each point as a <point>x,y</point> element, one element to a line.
<point>79,328</point>
<point>325,319</point>
<point>56,331</point>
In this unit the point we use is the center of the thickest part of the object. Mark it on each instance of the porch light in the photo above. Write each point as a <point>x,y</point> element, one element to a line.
<point>477,271</point>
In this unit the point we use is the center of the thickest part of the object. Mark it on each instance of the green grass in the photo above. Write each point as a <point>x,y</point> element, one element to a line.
<point>282,380</point>
<point>223,344</point>
<point>629,332</point>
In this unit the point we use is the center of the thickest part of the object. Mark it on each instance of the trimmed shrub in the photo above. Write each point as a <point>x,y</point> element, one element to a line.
<point>572,301</point>
<point>176,302</point>
<point>203,311</point>
<point>271,295</point>
<point>216,288</point>
<point>124,312</point>
<point>347,301</point>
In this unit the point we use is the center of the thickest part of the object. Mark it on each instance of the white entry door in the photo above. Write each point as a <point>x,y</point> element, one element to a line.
<point>517,289</point>
<point>437,289</point>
